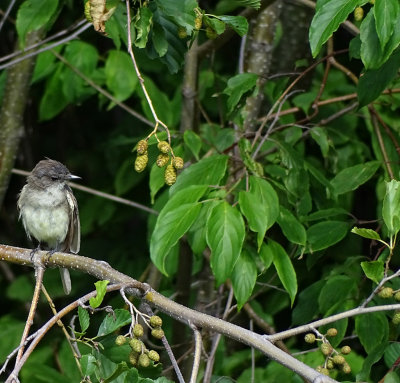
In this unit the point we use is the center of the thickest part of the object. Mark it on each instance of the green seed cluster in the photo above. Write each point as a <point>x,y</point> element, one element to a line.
<point>139,354</point>
<point>166,159</point>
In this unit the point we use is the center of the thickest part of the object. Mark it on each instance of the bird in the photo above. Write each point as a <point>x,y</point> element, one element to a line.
<point>49,211</point>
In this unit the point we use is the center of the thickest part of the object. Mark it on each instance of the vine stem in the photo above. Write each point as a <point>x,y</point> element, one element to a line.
<point>141,80</point>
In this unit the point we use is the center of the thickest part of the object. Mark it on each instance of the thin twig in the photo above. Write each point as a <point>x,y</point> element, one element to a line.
<point>103,91</point>
<point>44,49</point>
<point>6,13</point>
<point>42,42</point>
<point>197,353</point>
<point>39,272</point>
<point>100,194</point>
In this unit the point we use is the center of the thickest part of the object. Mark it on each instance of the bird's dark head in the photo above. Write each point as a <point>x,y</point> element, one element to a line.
<point>49,172</point>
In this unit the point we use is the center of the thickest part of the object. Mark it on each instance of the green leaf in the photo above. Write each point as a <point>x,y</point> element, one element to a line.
<point>373,270</point>
<point>225,236</point>
<point>307,304</point>
<point>284,268</point>
<point>325,234</point>
<point>159,40</point>
<point>392,353</point>
<point>374,356</point>
<point>392,377</point>
<point>391,207</point>
<point>84,319</point>
<point>114,321</point>
<point>101,288</point>
<point>53,101</point>
<point>335,291</point>
<point>143,23</point>
<point>33,15</point>
<point>84,57</point>
<point>293,230</point>
<point>193,142</point>
<point>260,206</point>
<point>321,138</point>
<point>217,25</point>
<point>372,330</point>
<point>237,86</point>
<point>182,12</point>
<point>121,78</point>
<point>116,26</point>
<point>327,20</point>
<point>174,221</point>
<point>375,81</point>
<point>88,364</point>
<point>238,23</point>
<point>351,178</point>
<point>366,233</point>
<point>266,256</point>
<point>156,181</point>
<point>386,13</point>
<point>372,55</point>
<point>244,278</point>
<point>20,289</point>
<point>325,213</point>
<point>208,171</point>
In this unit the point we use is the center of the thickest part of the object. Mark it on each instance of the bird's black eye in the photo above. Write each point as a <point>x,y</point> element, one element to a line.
<point>54,178</point>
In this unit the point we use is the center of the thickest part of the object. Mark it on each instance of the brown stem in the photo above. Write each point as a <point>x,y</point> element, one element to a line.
<point>12,111</point>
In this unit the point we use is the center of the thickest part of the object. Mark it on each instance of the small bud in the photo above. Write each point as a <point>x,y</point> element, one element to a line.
<point>386,292</point>
<point>372,2</point>
<point>136,345</point>
<point>142,147</point>
<point>397,296</point>
<point>178,162</point>
<point>88,16</point>
<point>210,33</point>
<point>345,350</point>
<point>326,349</point>
<point>154,356</point>
<point>163,147</point>
<point>155,321</point>
<point>170,175</point>
<point>325,371</point>
<point>331,332</point>
<point>133,358</point>
<point>339,359</point>
<point>182,34</point>
<point>346,368</point>
<point>141,162</point>
<point>138,330</point>
<point>162,160</point>
<point>309,338</point>
<point>329,364</point>
<point>396,318</point>
<point>144,360</point>
<point>120,340</point>
<point>358,14</point>
<point>157,332</point>
<point>198,21</point>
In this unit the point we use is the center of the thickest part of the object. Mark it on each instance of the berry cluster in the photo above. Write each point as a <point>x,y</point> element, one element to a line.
<point>139,354</point>
<point>334,359</point>
<point>388,292</point>
<point>166,157</point>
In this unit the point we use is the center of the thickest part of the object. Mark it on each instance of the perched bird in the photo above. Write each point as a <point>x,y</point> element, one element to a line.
<point>49,211</point>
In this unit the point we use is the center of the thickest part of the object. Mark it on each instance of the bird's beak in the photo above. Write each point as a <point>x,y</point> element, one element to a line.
<point>73,177</point>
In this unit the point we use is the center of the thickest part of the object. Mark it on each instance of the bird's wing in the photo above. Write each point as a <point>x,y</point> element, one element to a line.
<point>73,240</point>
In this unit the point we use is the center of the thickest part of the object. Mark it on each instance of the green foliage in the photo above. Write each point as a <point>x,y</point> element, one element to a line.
<point>101,287</point>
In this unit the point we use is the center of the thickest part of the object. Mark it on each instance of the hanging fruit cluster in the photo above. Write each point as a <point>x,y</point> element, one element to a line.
<point>165,158</point>
<point>333,359</point>
<point>139,354</point>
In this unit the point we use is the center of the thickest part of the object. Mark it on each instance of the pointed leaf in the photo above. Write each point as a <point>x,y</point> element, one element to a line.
<point>174,221</point>
<point>244,278</point>
<point>373,270</point>
<point>325,234</point>
<point>391,207</point>
<point>113,322</point>
<point>260,206</point>
<point>225,236</point>
<point>284,268</point>
<point>372,330</point>
<point>294,231</point>
<point>366,233</point>
<point>386,13</point>
<point>351,178</point>
<point>84,319</point>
